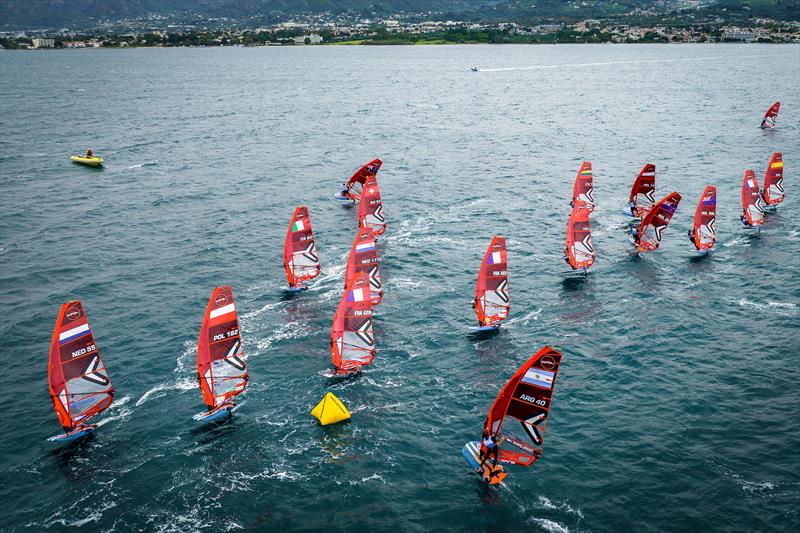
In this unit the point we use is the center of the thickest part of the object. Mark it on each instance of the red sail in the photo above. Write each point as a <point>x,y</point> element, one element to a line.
<point>491,290</point>
<point>771,116</point>
<point>773,180</point>
<point>79,384</point>
<point>364,258</point>
<point>221,362</point>
<point>352,340</point>
<point>643,190</point>
<point>299,249</point>
<point>753,212</point>
<point>370,209</point>
<point>655,222</point>
<point>357,180</point>
<point>580,250</point>
<point>520,411</point>
<point>705,217</point>
<point>583,188</point>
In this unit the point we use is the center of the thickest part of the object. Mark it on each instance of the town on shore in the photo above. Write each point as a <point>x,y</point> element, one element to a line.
<point>317,31</point>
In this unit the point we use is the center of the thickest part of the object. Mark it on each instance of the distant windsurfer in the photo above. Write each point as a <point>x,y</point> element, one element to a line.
<point>490,447</point>
<point>474,69</point>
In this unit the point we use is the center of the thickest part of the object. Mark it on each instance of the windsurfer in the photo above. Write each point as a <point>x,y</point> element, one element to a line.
<point>632,207</point>
<point>565,256</point>
<point>490,447</point>
<point>690,233</point>
<point>635,235</point>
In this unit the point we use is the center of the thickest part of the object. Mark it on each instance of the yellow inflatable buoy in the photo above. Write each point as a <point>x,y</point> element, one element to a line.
<point>330,410</point>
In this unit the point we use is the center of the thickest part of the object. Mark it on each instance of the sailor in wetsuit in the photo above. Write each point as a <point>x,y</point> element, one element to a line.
<point>565,256</point>
<point>632,207</point>
<point>635,235</point>
<point>690,233</point>
<point>490,447</point>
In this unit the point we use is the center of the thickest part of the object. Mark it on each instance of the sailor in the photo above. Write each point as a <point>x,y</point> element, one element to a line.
<point>690,233</point>
<point>565,255</point>
<point>89,153</point>
<point>635,235</point>
<point>632,207</point>
<point>490,447</point>
<point>743,218</point>
<point>572,203</point>
<point>345,192</point>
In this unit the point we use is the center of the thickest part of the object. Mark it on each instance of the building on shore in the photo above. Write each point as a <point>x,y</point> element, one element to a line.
<point>43,42</point>
<point>308,39</point>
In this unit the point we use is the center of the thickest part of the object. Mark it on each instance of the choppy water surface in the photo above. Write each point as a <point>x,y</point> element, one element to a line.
<point>676,407</point>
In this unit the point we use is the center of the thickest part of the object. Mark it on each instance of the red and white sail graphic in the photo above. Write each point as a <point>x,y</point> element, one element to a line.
<point>771,116</point>
<point>580,250</point>
<point>356,182</point>
<point>773,180</point>
<point>643,190</point>
<point>299,249</point>
<point>352,337</point>
<point>753,211</point>
<point>364,258</point>
<point>705,218</point>
<point>491,290</point>
<point>655,222</point>
<point>79,384</point>
<point>583,188</point>
<point>370,208</point>
<point>221,362</point>
<point>520,411</point>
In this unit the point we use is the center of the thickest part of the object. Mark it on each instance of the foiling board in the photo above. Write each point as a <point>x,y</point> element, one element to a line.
<point>471,453</point>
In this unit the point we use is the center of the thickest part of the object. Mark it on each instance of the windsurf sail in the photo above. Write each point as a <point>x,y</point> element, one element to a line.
<point>773,180</point>
<point>583,188</point>
<point>79,384</point>
<point>370,208</point>
<point>520,411</point>
<point>643,191</point>
<point>771,116</point>
<point>356,182</point>
<point>655,222</point>
<point>580,250</point>
<point>491,290</point>
<point>352,340</point>
<point>705,217</point>
<point>221,362</point>
<point>752,210</point>
<point>364,258</point>
<point>299,249</point>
